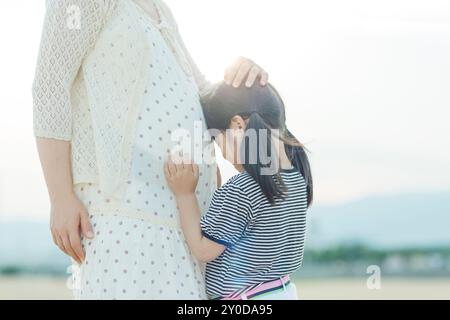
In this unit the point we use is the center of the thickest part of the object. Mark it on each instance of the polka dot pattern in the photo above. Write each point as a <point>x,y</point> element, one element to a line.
<point>134,259</point>
<point>138,258</point>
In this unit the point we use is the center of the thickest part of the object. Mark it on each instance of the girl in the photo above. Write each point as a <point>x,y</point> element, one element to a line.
<point>252,235</point>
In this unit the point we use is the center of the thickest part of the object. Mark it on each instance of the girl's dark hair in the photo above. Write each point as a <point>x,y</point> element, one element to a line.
<point>264,109</point>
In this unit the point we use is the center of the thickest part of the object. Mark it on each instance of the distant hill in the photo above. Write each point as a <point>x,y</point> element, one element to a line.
<point>385,222</point>
<point>419,220</point>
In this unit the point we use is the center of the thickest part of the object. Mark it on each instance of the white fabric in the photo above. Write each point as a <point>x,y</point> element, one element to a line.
<point>139,251</point>
<point>133,259</point>
<point>288,293</point>
<point>89,82</point>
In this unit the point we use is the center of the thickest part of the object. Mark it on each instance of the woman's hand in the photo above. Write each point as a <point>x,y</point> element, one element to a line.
<point>68,214</point>
<point>182,178</point>
<point>244,69</point>
<point>68,218</point>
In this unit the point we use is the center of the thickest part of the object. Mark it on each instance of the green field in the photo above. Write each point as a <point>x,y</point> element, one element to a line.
<point>342,288</point>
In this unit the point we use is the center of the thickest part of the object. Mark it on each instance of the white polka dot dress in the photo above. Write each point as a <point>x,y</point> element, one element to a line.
<point>139,251</point>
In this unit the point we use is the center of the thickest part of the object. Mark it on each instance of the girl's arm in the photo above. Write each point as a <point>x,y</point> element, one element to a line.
<point>202,248</point>
<point>182,180</point>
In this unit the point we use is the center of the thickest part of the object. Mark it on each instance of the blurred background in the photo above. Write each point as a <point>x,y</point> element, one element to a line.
<point>366,89</point>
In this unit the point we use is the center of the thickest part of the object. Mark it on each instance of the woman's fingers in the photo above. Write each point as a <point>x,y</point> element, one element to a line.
<point>242,74</point>
<point>75,243</point>
<point>86,227</point>
<point>58,241</point>
<point>68,247</point>
<point>53,236</point>
<point>230,72</point>
<point>264,78</point>
<point>61,245</point>
<point>254,72</point>
<point>244,69</point>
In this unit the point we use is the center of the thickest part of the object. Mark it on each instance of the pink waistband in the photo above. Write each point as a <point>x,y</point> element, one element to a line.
<point>261,288</point>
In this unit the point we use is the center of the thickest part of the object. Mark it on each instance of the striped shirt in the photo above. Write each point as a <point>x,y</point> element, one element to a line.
<point>263,241</point>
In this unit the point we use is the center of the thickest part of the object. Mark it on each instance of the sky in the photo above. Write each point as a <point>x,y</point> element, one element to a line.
<point>365,85</point>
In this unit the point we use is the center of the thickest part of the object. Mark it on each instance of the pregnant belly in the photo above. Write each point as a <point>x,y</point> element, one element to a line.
<point>171,126</point>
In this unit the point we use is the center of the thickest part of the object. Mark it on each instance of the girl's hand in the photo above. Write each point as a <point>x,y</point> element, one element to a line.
<point>244,69</point>
<point>182,178</point>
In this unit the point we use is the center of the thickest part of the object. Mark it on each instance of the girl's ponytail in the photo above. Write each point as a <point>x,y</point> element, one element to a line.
<point>299,159</point>
<point>271,185</point>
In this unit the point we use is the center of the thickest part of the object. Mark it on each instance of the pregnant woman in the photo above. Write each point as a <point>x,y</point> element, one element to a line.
<point>113,82</point>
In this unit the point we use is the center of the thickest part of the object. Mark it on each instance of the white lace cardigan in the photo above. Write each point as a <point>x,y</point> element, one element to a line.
<point>69,99</point>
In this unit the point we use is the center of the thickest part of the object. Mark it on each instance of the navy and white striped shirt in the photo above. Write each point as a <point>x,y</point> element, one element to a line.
<point>264,242</point>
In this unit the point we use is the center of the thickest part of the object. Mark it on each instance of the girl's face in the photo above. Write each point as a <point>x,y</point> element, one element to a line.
<point>231,139</point>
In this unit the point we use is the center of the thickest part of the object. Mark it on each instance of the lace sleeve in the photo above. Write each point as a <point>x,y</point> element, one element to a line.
<point>70,30</point>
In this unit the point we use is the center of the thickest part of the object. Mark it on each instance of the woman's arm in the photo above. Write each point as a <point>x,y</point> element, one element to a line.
<point>68,214</point>
<point>69,31</point>
<point>182,180</point>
